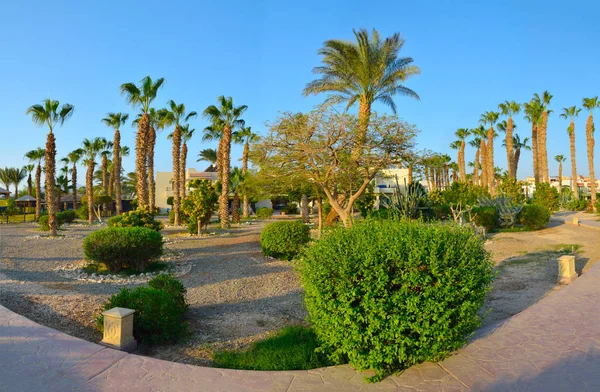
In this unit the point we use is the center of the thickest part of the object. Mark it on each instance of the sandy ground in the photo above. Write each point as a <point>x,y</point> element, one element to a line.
<point>236,295</point>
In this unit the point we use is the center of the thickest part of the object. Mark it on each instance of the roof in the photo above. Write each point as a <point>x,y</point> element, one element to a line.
<point>69,197</point>
<point>26,198</point>
<point>4,191</point>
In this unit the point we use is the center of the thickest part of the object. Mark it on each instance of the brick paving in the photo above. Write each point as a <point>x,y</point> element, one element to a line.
<point>553,345</point>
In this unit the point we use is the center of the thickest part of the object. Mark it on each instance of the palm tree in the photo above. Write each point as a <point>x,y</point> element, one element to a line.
<point>509,109</point>
<point>542,134</point>
<point>17,174</point>
<point>367,71</point>
<point>36,156</point>
<point>5,178</point>
<point>560,159</point>
<point>209,155</point>
<point>572,113</point>
<point>73,158</point>
<point>116,121</point>
<point>518,145</point>
<point>62,182</point>
<point>186,135</point>
<point>29,168</point>
<point>129,184</point>
<point>590,104</point>
<point>533,113</point>
<point>91,148</point>
<point>105,153</point>
<point>142,96</point>
<point>211,133</point>
<point>176,115</point>
<point>490,118</point>
<point>475,143</point>
<point>50,113</point>
<point>245,136</point>
<point>462,134</point>
<point>236,181</point>
<point>226,116</point>
<point>154,118</point>
<point>481,133</point>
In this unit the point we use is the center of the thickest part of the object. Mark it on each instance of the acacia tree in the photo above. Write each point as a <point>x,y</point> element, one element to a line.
<point>590,104</point>
<point>319,145</point>
<point>116,121</point>
<point>509,109</point>
<point>37,156</point>
<point>571,113</point>
<point>50,113</point>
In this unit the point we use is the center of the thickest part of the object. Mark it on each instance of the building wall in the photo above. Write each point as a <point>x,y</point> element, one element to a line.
<point>164,184</point>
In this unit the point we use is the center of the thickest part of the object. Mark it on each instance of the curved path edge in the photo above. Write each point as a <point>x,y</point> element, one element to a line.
<point>552,345</point>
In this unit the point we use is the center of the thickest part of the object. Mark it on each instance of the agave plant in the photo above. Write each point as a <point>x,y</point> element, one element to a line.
<point>507,208</point>
<point>410,202</point>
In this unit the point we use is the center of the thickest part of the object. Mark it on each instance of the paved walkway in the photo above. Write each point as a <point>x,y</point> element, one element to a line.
<point>552,346</point>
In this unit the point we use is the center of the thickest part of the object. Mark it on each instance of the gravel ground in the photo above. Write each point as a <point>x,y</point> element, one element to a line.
<point>236,295</point>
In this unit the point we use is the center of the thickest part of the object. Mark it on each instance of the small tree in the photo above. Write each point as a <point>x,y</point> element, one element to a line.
<point>200,203</point>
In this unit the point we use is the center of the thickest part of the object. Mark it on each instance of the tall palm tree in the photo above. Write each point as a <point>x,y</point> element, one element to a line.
<point>29,168</point>
<point>5,178</point>
<point>208,155</point>
<point>142,96</point>
<point>572,113</point>
<point>245,136</point>
<point>544,102</point>
<point>590,104</point>
<point>105,153</point>
<point>490,118</point>
<point>176,115</point>
<point>62,182</point>
<point>73,158</point>
<point>226,116</point>
<point>211,133</point>
<point>236,181</point>
<point>50,113</point>
<point>462,134</point>
<point>481,133</point>
<point>36,156</point>
<point>186,135</point>
<point>509,109</point>
<point>16,175</point>
<point>476,143</point>
<point>367,71</point>
<point>154,118</point>
<point>518,145</point>
<point>116,121</point>
<point>533,113</point>
<point>560,159</point>
<point>91,148</point>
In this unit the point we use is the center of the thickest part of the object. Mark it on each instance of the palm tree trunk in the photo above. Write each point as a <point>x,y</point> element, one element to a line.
<point>364,116</point>
<point>476,168</point>
<point>304,209</point>
<point>38,191</point>
<point>490,162</point>
<point>50,185</point>
<point>104,179</point>
<point>483,157</point>
<point>89,190</point>
<point>74,183</point>
<point>516,160</point>
<point>542,147</point>
<point>462,168</point>
<point>220,160</point>
<point>182,164</point>
<point>573,159</point>
<point>141,160</point>
<point>151,143</point>
<point>117,171</point>
<point>410,173</point>
<point>245,154</point>
<point>226,161</point>
<point>320,212</point>
<point>29,185</point>
<point>236,208</point>
<point>560,176</point>
<point>535,152</point>
<point>509,148</point>
<point>589,135</point>
<point>176,151</point>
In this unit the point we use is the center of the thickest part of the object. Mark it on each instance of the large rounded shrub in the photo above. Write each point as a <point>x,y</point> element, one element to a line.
<point>386,295</point>
<point>158,318</point>
<point>264,213</point>
<point>67,216</point>
<point>123,247</point>
<point>172,286</point>
<point>284,239</point>
<point>534,217</point>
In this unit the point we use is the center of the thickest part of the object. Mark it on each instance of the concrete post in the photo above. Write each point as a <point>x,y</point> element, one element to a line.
<point>118,329</point>
<point>566,269</point>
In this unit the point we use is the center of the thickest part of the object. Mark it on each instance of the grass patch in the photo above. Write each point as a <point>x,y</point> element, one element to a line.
<point>515,229</point>
<point>100,269</point>
<point>292,348</point>
<point>565,248</point>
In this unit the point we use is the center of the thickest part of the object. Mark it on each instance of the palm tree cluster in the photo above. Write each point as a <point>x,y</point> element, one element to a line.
<point>14,176</point>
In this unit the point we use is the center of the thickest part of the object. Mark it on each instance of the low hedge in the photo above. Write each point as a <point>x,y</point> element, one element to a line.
<point>485,217</point>
<point>123,247</point>
<point>534,216</point>
<point>67,216</point>
<point>264,213</point>
<point>386,295</point>
<point>43,221</point>
<point>158,317</point>
<point>284,239</point>
<point>291,209</point>
<point>142,217</point>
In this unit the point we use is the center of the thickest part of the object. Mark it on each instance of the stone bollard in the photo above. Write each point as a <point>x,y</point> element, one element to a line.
<point>118,329</point>
<point>566,269</point>
<point>576,221</point>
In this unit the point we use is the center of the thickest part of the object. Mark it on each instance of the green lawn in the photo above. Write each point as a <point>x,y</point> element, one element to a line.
<point>20,218</point>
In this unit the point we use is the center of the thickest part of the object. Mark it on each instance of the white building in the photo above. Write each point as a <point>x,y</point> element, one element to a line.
<point>164,184</point>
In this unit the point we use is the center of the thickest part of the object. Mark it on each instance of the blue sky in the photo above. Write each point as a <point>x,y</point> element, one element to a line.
<point>473,55</point>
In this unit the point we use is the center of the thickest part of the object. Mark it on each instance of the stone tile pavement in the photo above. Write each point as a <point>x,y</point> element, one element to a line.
<point>553,345</point>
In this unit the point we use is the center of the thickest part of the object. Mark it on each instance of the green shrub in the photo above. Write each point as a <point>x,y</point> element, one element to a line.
<point>509,187</point>
<point>386,294</point>
<point>442,211</point>
<point>291,209</point>
<point>264,213</point>
<point>576,204</point>
<point>381,213</point>
<point>170,200</point>
<point>534,217</point>
<point>142,217</point>
<point>43,222</point>
<point>485,217</point>
<point>183,219</point>
<point>82,211</point>
<point>67,216</point>
<point>158,318</point>
<point>465,193</point>
<point>123,247</point>
<point>172,286</point>
<point>292,348</point>
<point>284,239</point>
<point>546,195</point>
<point>366,202</point>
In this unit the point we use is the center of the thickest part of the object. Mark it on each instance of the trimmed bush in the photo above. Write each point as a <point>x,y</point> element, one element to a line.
<point>291,209</point>
<point>142,217</point>
<point>284,239</point>
<point>264,213</point>
<point>123,247</point>
<point>158,317</point>
<point>67,216</point>
<point>386,295</point>
<point>546,195</point>
<point>485,217</point>
<point>43,222</point>
<point>82,210</point>
<point>534,217</point>
<point>172,286</point>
